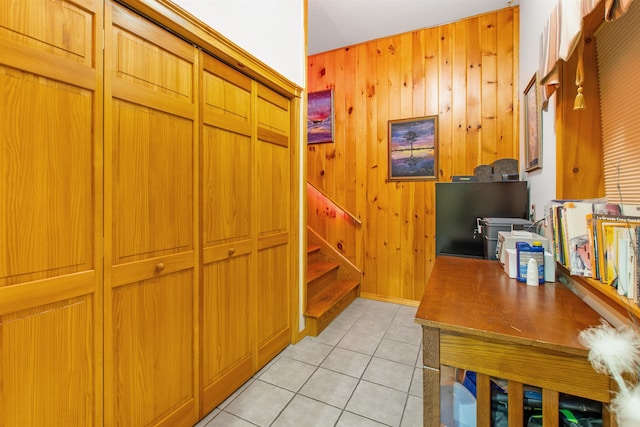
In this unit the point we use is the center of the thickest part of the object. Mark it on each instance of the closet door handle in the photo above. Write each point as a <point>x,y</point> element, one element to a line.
<point>232,251</point>
<point>159,267</point>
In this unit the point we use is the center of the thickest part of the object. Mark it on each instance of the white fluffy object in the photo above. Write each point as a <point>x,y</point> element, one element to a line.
<point>613,351</point>
<point>625,405</point>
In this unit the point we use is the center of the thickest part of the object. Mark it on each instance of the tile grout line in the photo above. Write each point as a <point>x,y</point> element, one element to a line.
<point>360,309</point>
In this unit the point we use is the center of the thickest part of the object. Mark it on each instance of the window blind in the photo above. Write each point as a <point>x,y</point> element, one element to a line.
<point>617,47</point>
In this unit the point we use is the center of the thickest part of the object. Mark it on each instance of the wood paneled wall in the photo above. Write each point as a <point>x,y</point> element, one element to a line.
<point>464,72</point>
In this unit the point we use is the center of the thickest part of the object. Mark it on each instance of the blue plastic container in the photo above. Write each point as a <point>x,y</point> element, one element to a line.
<point>525,252</point>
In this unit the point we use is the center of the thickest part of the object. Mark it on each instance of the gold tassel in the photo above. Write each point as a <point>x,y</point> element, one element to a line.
<point>579,103</point>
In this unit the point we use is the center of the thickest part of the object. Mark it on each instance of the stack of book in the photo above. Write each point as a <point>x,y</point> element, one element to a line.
<point>598,239</point>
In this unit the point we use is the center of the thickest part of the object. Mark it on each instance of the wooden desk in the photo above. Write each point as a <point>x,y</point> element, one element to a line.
<point>475,317</point>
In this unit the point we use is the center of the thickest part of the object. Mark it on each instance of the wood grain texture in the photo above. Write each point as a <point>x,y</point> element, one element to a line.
<point>515,410</point>
<point>273,227</point>
<point>48,167</point>
<point>462,72</point>
<point>579,156</point>
<point>498,327</point>
<point>476,296</point>
<point>226,176</point>
<point>550,408</point>
<point>431,347</point>
<point>543,368</point>
<point>483,400</point>
<point>273,299</point>
<point>272,164</point>
<point>47,356</point>
<point>167,70</point>
<point>152,348</point>
<point>64,29</point>
<point>246,226</point>
<point>51,213</point>
<point>104,113</point>
<point>151,262</point>
<point>226,329</point>
<point>431,397</point>
<point>152,183</point>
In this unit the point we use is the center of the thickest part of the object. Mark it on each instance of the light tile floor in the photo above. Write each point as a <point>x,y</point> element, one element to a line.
<point>363,370</point>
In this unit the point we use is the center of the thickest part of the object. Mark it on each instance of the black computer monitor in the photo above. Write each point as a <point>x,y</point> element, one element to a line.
<point>460,204</point>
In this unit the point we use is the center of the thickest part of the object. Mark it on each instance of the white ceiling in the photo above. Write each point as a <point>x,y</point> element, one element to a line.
<point>333,24</point>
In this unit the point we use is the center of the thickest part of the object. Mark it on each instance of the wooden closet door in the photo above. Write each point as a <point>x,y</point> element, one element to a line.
<point>227,153</point>
<point>150,224</point>
<point>50,213</point>
<point>273,200</point>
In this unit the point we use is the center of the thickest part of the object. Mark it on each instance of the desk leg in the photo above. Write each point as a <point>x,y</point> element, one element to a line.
<point>431,376</point>
<point>483,402</point>
<point>608,417</point>
<point>550,407</point>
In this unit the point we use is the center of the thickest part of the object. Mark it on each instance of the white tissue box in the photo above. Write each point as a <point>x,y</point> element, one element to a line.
<point>508,240</point>
<point>511,263</point>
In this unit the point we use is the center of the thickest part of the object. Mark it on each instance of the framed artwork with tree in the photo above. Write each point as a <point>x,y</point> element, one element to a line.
<point>413,149</point>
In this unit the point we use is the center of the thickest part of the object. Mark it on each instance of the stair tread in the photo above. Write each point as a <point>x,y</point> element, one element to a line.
<point>311,248</point>
<point>318,268</point>
<point>325,299</point>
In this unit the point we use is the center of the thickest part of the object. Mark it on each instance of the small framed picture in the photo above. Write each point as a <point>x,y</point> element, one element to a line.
<point>320,117</point>
<point>533,127</point>
<point>413,149</point>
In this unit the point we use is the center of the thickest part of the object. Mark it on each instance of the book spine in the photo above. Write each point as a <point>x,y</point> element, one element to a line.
<point>577,237</point>
<point>563,238</point>
<point>622,262</point>
<point>591,246</point>
<point>637,263</point>
<point>554,232</point>
<point>610,256</point>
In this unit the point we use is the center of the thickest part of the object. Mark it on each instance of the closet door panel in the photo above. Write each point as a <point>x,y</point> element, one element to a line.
<point>226,95</point>
<point>48,365</point>
<point>227,353</point>
<point>227,186</point>
<point>227,317</point>
<point>148,58</point>
<point>151,259</point>
<point>272,162</point>
<point>272,188</point>
<point>152,348</point>
<point>273,296</point>
<point>50,213</point>
<point>61,29</point>
<point>48,161</point>
<point>152,283</point>
<point>272,168</point>
<point>152,183</point>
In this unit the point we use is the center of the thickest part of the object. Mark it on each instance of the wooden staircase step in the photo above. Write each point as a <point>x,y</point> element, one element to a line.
<point>320,268</point>
<point>312,248</point>
<point>314,253</point>
<point>322,302</point>
<point>327,304</point>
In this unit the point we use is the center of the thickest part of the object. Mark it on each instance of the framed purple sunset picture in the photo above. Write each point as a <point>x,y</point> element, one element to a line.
<point>320,117</point>
<point>413,149</point>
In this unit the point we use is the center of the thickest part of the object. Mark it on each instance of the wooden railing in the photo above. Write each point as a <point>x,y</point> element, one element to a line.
<point>351,216</point>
